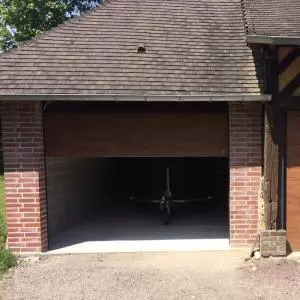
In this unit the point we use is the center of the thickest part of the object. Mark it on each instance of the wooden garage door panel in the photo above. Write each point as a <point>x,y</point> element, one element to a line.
<point>293,174</point>
<point>293,219</point>
<point>136,134</point>
<point>293,180</point>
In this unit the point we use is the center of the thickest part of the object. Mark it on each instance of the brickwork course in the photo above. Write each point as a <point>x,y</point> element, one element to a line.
<point>273,243</point>
<point>24,171</point>
<point>245,160</point>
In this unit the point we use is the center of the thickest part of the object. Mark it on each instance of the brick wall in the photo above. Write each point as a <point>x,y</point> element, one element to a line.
<point>245,160</point>
<point>23,150</point>
<point>75,189</point>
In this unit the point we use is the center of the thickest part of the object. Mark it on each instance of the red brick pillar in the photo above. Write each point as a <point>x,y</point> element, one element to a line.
<point>24,170</point>
<point>245,160</point>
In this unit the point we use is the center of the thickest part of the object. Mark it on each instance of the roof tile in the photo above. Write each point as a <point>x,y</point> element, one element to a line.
<point>272,17</point>
<point>192,47</point>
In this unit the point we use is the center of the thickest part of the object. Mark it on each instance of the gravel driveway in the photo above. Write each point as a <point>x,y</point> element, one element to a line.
<point>202,275</point>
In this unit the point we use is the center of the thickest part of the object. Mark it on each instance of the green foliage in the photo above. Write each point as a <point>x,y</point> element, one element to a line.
<point>30,17</point>
<point>6,41</point>
<point>78,6</point>
<point>23,19</point>
<point>7,260</point>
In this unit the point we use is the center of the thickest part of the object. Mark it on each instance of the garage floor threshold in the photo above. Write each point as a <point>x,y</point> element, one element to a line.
<point>144,246</point>
<point>138,229</point>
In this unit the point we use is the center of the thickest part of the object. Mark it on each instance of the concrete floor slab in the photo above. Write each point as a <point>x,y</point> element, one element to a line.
<point>139,229</point>
<point>143,246</point>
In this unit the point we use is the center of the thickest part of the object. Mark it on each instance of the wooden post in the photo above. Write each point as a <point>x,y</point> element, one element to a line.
<point>271,166</point>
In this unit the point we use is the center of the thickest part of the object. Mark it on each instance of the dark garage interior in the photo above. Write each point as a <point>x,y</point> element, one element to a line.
<point>118,199</point>
<point>115,196</point>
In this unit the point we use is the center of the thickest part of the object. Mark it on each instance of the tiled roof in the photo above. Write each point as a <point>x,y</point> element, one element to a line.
<point>272,17</point>
<point>193,47</point>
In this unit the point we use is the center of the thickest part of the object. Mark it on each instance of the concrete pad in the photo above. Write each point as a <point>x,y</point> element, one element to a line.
<point>143,246</point>
<point>137,229</point>
<point>294,256</point>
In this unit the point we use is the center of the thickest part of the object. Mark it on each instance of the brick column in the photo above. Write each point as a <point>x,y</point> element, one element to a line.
<point>24,171</point>
<point>245,161</point>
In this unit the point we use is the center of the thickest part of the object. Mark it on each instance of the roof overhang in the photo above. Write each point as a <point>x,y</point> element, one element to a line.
<point>137,98</point>
<point>273,40</point>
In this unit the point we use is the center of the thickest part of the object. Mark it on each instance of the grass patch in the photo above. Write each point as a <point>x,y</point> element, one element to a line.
<point>7,259</point>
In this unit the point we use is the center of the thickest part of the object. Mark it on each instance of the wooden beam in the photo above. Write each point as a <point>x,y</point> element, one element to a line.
<point>271,166</point>
<point>291,87</point>
<point>287,61</point>
<point>272,144</point>
<point>289,102</point>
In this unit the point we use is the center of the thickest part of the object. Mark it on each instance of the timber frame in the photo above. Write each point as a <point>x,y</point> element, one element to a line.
<point>284,82</point>
<point>271,142</point>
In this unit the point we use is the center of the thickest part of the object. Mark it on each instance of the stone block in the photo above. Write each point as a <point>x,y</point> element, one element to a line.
<point>273,243</point>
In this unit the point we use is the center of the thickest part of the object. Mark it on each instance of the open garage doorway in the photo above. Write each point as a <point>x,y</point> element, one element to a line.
<point>113,202</point>
<point>119,200</point>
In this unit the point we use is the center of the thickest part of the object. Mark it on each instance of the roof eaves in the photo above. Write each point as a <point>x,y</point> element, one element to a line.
<point>138,98</point>
<point>273,40</point>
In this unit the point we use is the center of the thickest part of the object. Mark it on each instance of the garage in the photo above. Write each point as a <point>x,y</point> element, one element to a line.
<point>293,180</point>
<point>108,166</point>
